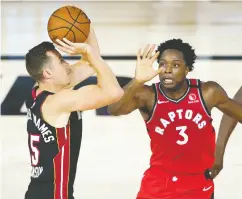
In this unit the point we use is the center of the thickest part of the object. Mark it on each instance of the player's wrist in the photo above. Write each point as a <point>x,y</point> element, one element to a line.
<point>139,81</point>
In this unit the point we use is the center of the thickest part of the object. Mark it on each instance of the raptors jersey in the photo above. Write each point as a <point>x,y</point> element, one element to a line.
<point>53,152</point>
<point>181,131</point>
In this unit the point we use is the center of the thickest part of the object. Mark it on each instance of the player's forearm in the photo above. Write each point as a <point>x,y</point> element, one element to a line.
<point>80,72</point>
<point>225,130</point>
<point>227,126</point>
<point>92,41</point>
<point>106,79</point>
<point>238,99</point>
<point>129,92</point>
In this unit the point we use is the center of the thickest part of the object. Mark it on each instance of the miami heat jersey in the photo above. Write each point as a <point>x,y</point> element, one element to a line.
<point>53,151</point>
<point>181,131</point>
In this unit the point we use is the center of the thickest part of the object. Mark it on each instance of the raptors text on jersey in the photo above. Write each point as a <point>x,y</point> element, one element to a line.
<point>181,131</point>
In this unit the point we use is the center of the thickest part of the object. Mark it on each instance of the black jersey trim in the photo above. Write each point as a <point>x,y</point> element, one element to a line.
<point>179,99</point>
<point>202,99</point>
<point>154,105</point>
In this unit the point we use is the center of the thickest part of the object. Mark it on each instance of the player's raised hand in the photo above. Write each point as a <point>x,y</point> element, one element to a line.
<point>92,40</point>
<point>73,48</point>
<point>144,65</point>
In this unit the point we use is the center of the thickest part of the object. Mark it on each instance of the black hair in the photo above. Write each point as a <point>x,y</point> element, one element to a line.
<point>177,44</point>
<point>36,58</point>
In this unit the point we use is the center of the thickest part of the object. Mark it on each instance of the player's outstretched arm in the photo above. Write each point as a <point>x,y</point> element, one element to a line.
<point>135,93</point>
<point>106,91</point>
<point>221,101</point>
<point>228,124</point>
<point>226,128</point>
<point>82,69</point>
<point>134,97</point>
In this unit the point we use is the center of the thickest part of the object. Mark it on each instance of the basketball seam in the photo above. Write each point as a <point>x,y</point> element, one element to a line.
<point>62,19</point>
<point>73,25</point>
<point>74,35</point>
<point>70,14</point>
<point>58,28</point>
<point>68,29</point>
<point>78,16</point>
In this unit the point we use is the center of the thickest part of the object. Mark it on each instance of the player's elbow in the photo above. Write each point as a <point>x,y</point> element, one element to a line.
<point>117,110</point>
<point>115,95</point>
<point>112,111</point>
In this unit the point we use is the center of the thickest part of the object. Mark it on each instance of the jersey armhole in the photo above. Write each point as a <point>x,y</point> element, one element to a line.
<point>154,105</point>
<point>56,125</point>
<point>201,98</point>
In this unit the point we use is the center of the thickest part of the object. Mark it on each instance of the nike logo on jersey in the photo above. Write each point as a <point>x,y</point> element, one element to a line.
<point>162,102</point>
<point>207,188</point>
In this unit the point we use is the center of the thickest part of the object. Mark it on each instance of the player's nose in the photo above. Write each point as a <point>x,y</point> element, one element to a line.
<point>168,69</point>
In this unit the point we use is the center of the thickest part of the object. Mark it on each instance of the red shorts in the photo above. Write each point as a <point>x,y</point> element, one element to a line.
<point>157,184</point>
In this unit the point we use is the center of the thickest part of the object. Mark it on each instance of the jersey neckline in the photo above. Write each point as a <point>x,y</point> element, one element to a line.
<point>179,99</point>
<point>34,89</point>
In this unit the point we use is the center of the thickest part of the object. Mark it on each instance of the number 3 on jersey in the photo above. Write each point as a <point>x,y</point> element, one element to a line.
<point>34,151</point>
<point>182,132</point>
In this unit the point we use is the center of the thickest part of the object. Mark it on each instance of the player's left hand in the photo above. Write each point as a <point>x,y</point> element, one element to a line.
<point>217,166</point>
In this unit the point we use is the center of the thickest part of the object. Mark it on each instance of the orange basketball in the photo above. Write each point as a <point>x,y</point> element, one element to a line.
<point>69,22</point>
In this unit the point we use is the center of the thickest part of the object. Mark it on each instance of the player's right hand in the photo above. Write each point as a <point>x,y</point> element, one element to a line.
<point>144,65</point>
<point>74,48</point>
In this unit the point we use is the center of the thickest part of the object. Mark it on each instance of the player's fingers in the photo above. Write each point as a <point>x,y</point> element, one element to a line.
<point>139,54</point>
<point>154,58</point>
<point>214,172</point>
<point>64,44</point>
<point>68,42</point>
<point>146,50</point>
<point>151,50</point>
<point>63,49</point>
<point>159,70</point>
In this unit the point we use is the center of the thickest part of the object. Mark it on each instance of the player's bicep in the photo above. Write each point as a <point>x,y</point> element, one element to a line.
<point>86,98</point>
<point>137,102</point>
<point>238,96</point>
<point>227,105</point>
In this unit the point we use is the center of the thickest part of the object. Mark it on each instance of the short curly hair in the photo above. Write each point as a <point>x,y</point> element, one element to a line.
<point>185,48</point>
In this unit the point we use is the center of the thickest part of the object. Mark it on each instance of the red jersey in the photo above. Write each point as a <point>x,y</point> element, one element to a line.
<point>181,132</point>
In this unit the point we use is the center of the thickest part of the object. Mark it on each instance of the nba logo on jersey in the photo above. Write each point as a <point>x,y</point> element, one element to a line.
<point>193,98</point>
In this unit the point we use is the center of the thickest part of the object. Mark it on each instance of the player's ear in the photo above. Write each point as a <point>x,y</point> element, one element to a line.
<point>47,72</point>
<point>187,70</point>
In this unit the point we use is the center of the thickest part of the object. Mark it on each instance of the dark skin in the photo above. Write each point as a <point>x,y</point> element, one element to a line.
<point>226,128</point>
<point>172,74</point>
<point>171,66</point>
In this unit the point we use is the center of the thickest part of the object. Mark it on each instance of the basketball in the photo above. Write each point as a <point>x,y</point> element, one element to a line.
<point>69,22</point>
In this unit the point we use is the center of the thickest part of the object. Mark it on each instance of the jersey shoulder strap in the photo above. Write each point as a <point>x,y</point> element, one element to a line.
<point>38,100</point>
<point>194,83</point>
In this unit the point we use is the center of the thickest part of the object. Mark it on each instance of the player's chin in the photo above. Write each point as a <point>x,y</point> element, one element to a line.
<point>170,85</point>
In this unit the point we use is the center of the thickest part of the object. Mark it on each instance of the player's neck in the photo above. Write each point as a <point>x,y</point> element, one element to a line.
<point>177,92</point>
<point>53,88</point>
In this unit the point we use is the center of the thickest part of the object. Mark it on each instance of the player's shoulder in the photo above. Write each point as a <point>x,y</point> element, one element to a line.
<point>211,87</point>
<point>52,97</point>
